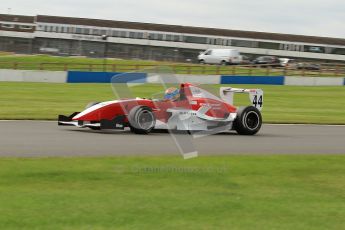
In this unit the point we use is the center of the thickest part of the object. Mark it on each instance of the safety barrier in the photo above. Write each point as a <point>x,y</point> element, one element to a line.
<point>104,77</point>
<point>117,77</point>
<point>33,76</point>
<point>302,69</point>
<point>262,80</point>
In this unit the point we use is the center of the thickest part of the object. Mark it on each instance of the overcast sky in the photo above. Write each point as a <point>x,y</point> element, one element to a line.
<point>308,17</point>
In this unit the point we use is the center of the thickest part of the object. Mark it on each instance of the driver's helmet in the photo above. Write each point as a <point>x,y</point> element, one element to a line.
<point>172,94</point>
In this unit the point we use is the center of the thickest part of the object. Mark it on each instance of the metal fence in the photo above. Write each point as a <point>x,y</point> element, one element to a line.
<point>248,70</point>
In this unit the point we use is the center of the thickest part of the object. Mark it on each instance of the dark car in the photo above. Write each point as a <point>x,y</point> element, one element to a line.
<point>267,60</point>
<point>245,60</point>
<point>308,66</point>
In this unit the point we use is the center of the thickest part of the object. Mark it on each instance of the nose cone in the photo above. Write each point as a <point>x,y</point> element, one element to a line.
<point>105,110</point>
<point>87,115</point>
<point>91,113</point>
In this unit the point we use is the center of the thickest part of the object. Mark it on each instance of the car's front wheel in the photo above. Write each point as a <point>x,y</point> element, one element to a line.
<point>248,121</point>
<point>141,119</point>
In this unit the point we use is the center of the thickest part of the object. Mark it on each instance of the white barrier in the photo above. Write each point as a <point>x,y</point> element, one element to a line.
<point>33,76</point>
<point>179,78</point>
<point>203,79</point>
<point>314,81</point>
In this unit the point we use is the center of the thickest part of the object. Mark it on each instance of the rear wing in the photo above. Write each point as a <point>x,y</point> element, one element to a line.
<point>256,96</point>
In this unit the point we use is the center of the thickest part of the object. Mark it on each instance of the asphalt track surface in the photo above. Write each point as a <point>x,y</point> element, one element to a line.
<point>42,138</point>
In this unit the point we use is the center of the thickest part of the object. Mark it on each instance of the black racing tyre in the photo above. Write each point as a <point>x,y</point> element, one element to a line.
<point>91,104</point>
<point>224,62</point>
<point>202,62</point>
<point>141,119</point>
<point>248,121</point>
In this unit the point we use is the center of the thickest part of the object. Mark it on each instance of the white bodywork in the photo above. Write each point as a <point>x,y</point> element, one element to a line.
<point>184,119</point>
<point>256,96</point>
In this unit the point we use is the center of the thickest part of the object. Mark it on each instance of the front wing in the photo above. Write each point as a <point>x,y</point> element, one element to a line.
<point>116,123</point>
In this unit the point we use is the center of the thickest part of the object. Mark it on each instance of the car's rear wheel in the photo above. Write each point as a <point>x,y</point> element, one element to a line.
<point>141,119</point>
<point>248,121</point>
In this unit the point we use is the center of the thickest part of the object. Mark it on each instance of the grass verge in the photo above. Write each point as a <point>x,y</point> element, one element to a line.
<point>282,104</point>
<point>226,192</point>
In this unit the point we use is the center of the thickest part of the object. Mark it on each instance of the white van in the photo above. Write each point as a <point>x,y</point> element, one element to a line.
<point>288,63</point>
<point>220,56</point>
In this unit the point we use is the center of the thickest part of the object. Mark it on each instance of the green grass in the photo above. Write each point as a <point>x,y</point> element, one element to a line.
<point>33,62</point>
<point>227,192</point>
<point>282,104</point>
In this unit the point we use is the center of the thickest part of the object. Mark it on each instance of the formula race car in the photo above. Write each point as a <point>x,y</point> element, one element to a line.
<point>195,109</point>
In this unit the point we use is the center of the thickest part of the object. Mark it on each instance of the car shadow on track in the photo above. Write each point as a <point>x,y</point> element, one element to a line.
<point>166,133</point>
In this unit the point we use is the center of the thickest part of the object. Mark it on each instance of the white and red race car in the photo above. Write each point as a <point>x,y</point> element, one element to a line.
<point>195,110</point>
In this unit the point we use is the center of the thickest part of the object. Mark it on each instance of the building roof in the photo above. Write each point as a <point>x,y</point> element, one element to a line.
<point>187,29</point>
<point>17,18</point>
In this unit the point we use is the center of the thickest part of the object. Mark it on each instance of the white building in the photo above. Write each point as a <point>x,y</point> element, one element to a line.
<point>81,36</point>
